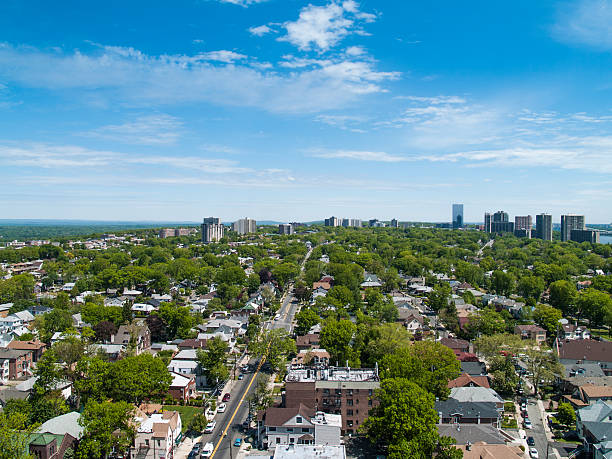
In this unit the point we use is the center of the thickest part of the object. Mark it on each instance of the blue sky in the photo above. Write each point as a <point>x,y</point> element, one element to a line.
<point>296,110</point>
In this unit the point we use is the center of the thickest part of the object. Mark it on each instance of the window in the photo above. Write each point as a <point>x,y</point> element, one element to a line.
<point>350,392</point>
<point>292,440</point>
<point>349,402</point>
<point>369,402</point>
<point>326,391</point>
<point>357,402</point>
<point>349,412</point>
<point>349,423</point>
<point>305,430</point>
<point>369,391</point>
<point>271,429</point>
<point>290,429</point>
<point>277,440</point>
<point>298,419</point>
<point>338,391</point>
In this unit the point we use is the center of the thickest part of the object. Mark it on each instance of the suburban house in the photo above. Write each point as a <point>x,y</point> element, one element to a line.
<point>157,435</point>
<point>20,362</point>
<point>452,411</point>
<point>137,334</point>
<point>532,332</point>
<point>308,341</point>
<point>571,332</point>
<point>472,433</point>
<point>310,451</point>
<point>298,425</point>
<point>311,358</point>
<point>594,427</point>
<point>36,347</point>
<point>473,368</point>
<point>182,387</point>
<point>586,351</point>
<point>185,363</point>
<point>483,450</point>
<point>370,281</point>
<point>411,318</point>
<point>466,380</point>
<point>456,344</point>
<point>55,436</point>
<point>477,394</point>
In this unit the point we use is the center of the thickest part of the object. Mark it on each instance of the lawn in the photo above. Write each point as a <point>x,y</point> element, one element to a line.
<point>602,332</point>
<point>186,412</point>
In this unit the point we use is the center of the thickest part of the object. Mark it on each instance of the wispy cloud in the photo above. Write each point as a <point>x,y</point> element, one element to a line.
<point>259,31</point>
<point>243,3</point>
<point>322,27</point>
<point>223,56</point>
<point>585,22</point>
<point>345,122</point>
<point>377,156</point>
<point>137,79</point>
<point>159,129</point>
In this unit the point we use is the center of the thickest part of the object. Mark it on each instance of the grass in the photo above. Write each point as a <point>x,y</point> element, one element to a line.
<point>509,423</point>
<point>186,412</point>
<point>509,406</point>
<point>601,332</point>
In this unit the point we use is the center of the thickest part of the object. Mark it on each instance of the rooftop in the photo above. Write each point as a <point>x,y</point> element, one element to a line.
<point>332,374</point>
<point>310,452</point>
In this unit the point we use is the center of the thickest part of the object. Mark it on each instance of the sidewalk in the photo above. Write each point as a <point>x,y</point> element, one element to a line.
<point>185,447</point>
<point>547,431</point>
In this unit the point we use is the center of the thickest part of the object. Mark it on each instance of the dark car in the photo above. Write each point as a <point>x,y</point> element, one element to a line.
<point>531,441</point>
<point>240,376</point>
<point>196,448</point>
<point>246,425</point>
<point>226,397</point>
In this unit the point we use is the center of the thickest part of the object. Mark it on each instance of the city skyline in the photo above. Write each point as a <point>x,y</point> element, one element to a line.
<point>295,110</point>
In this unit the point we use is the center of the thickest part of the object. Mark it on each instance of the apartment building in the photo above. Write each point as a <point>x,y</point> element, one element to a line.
<point>212,230</point>
<point>337,390</point>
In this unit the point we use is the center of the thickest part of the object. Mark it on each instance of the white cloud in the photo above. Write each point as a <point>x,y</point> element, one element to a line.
<point>130,77</point>
<point>355,51</point>
<point>322,27</point>
<point>345,122</point>
<point>156,129</point>
<point>260,30</point>
<point>378,156</point>
<point>223,56</point>
<point>243,3</point>
<point>586,22</point>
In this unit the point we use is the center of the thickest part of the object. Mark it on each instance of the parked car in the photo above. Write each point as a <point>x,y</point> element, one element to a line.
<point>226,397</point>
<point>530,441</point>
<point>238,442</point>
<point>197,447</point>
<point>221,408</point>
<point>533,453</point>
<point>246,425</point>
<point>528,424</point>
<point>240,376</point>
<point>210,427</point>
<point>207,450</point>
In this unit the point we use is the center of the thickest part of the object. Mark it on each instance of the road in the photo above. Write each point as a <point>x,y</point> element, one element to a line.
<point>488,244</point>
<point>537,432</point>
<point>229,423</point>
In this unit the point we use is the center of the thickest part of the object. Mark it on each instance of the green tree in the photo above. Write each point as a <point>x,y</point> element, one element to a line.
<point>177,320</point>
<point>198,423</point>
<point>275,345</point>
<point>566,414</point>
<point>137,378</point>
<point>387,339</point>
<point>429,364</point>
<point>213,360</point>
<point>485,322</point>
<point>439,296</point>
<point>306,319</point>
<point>594,305</point>
<point>548,318</point>
<point>404,421</point>
<point>261,398</point>
<point>336,337</point>
<point>107,427</point>
<point>504,376</point>
<point>531,287</point>
<point>562,296</point>
<point>503,282</point>
<point>14,436</point>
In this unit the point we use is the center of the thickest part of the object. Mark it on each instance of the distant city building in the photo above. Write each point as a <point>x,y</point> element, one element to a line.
<point>394,223</point>
<point>174,232</point>
<point>285,228</point>
<point>569,223</point>
<point>212,230</point>
<point>585,235</point>
<point>488,220</point>
<point>457,216</point>
<point>244,226</point>
<point>544,227</point>
<point>375,223</point>
<point>522,226</point>
<point>332,221</point>
<point>498,223</point>
<point>351,223</point>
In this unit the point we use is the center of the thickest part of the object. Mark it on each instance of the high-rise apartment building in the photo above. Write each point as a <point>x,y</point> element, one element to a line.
<point>457,216</point>
<point>285,228</point>
<point>585,235</point>
<point>544,227</point>
<point>498,223</point>
<point>212,230</point>
<point>571,222</point>
<point>394,223</point>
<point>522,226</point>
<point>332,221</point>
<point>244,226</point>
<point>488,220</point>
<point>351,222</point>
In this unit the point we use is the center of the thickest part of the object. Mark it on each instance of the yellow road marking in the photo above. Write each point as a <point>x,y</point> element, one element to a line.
<point>238,407</point>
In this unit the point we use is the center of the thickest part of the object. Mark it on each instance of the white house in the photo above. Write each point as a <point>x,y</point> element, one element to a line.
<point>157,436</point>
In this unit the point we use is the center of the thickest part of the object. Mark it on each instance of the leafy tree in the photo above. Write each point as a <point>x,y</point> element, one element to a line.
<point>562,296</point>
<point>548,318</point>
<point>93,313</point>
<point>275,344</point>
<point>531,287</point>
<point>429,364</point>
<point>404,421</point>
<point>47,406</point>
<point>566,414</point>
<point>14,436</point>
<point>439,296</point>
<point>177,320</point>
<point>387,339</point>
<point>213,360</point>
<point>19,287</point>
<point>57,320</point>
<point>502,282</point>
<point>261,398</point>
<point>504,376</point>
<point>137,378</point>
<point>485,322</point>
<point>198,423</point>
<point>253,283</point>
<point>284,272</point>
<point>92,383</point>
<point>306,319</point>
<point>104,330</point>
<point>594,305</point>
<point>107,427</point>
<point>336,337</point>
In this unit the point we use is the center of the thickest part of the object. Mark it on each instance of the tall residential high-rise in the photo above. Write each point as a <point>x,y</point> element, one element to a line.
<point>394,223</point>
<point>332,221</point>
<point>457,216</point>
<point>585,235</point>
<point>488,220</point>
<point>544,227</point>
<point>522,226</point>
<point>285,228</point>
<point>571,222</point>
<point>244,226</point>
<point>350,223</point>
<point>212,230</point>
<point>500,223</point>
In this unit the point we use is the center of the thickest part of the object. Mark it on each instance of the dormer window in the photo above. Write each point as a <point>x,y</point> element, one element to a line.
<point>298,420</point>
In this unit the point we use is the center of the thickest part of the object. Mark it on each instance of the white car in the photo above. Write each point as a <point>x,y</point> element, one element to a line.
<point>221,408</point>
<point>210,427</point>
<point>533,453</point>
<point>207,450</point>
<point>277,316</point>
<point>528,424</point>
